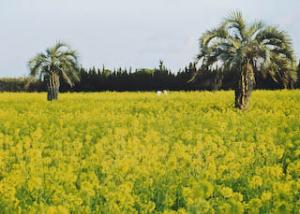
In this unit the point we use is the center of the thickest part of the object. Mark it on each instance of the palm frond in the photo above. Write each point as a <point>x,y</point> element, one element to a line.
<point>237,23</point>
<point>59,59</point>
<point>233,43</point>
<point>36,63</point>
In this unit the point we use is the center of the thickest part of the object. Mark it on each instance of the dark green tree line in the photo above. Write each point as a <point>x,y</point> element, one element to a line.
<point>146,79</point>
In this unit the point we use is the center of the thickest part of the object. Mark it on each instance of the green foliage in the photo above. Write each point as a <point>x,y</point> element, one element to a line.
<point>245,50</point>
<point>20,84</point>
<point>229,46</point>
<point>59,60</point>
<point>298,71</point>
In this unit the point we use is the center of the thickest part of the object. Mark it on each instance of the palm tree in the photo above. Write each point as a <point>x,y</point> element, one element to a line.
<point>244,50</point>
<point>58,62</point>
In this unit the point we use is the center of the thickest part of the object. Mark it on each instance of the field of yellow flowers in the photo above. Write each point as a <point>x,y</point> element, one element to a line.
<point>185,152</point>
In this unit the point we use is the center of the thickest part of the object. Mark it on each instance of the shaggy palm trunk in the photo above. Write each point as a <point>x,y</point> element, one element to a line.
<point>53,87</point>
<point>244,87</point>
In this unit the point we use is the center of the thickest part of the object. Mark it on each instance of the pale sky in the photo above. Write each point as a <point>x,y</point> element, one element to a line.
<point>126,33</point>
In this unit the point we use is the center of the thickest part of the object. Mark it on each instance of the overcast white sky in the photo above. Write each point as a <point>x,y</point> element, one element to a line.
<point>125,33</point>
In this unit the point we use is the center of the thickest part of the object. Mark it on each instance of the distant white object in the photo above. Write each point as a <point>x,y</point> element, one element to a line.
<point>164,92</point>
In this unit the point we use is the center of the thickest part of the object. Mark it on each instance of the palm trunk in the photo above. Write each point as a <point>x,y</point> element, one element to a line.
<point>244,87</point>
<point>53,87</point>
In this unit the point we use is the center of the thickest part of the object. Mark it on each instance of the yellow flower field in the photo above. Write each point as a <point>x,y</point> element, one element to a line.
<point>185,152</point>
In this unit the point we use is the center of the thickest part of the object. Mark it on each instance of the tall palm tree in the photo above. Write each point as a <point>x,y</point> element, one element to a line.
<point>58,62</point>
<point>244,50</point>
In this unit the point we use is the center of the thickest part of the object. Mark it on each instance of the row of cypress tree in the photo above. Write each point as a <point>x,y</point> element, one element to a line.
<point>161,78</point>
